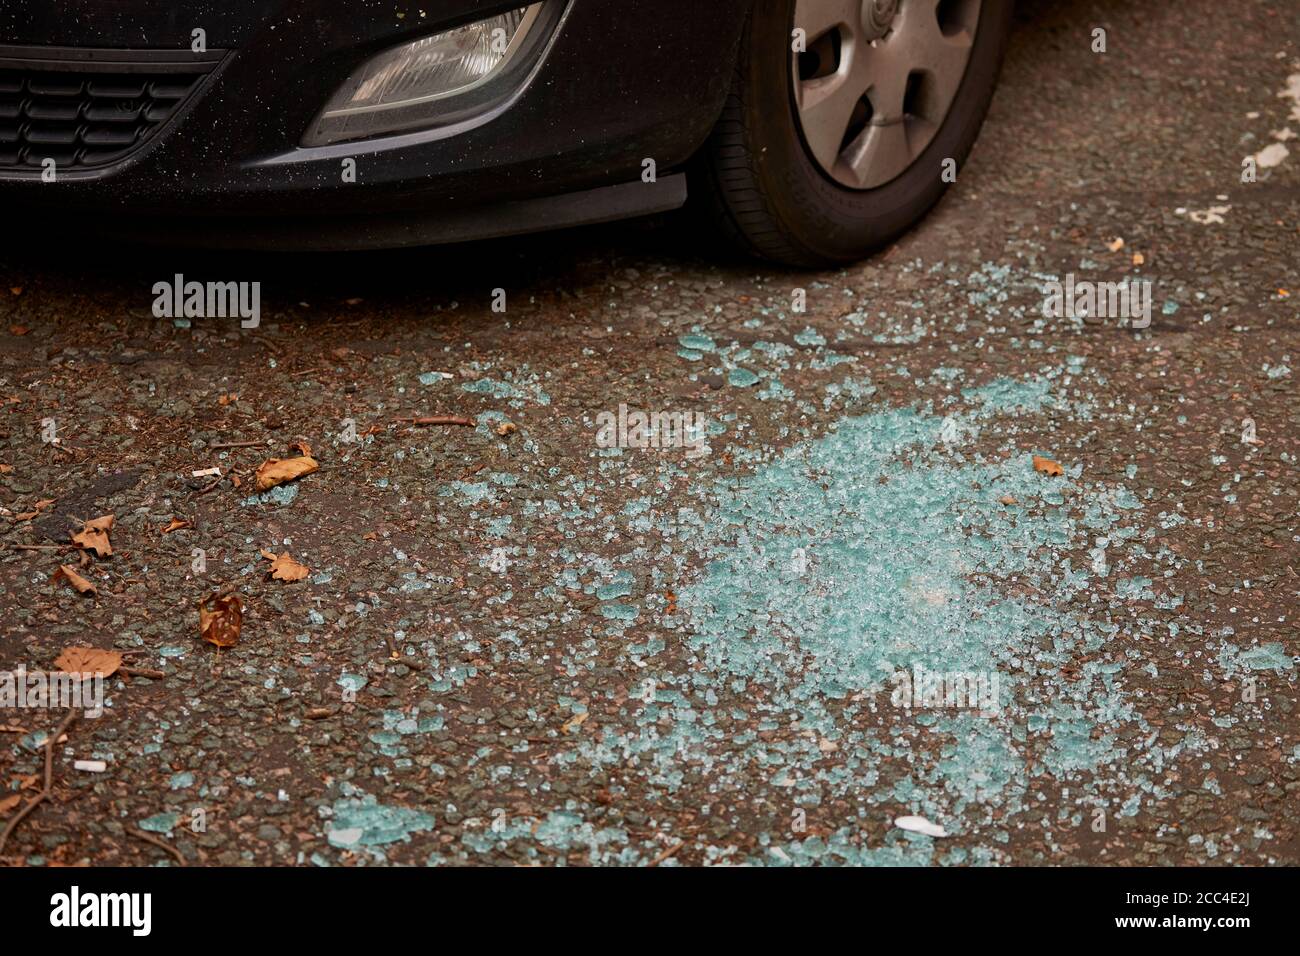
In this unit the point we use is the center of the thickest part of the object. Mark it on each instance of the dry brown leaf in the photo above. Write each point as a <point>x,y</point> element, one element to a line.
<point>220,618</point>
<point>9,802</point>
<point>1008,500</point>
<point>6,469</point>
<point>285,568</point>
<point>276,471</point>
<point>506,428</point>
<point>225,400</point>
<point>88,660</point>
<point>94,536</point>
<point>175,525</point>
<point>302,448</point>
<point>1047,466</point>
<point>76,580</point>
<point>18,330</point>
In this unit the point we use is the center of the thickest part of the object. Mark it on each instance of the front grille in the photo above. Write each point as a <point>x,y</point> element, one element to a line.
<point>87,109</point>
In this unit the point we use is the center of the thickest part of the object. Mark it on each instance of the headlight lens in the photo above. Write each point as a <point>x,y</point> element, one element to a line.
<point>392,91</point>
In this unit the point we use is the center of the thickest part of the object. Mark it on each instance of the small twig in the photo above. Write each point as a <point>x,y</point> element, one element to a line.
<point>161,844</point>
<point>667,853</point>
<point>142,672</point>
<point>45,547</point>
<point>49,780</point>
<point>397,658</point>
<point>219,445</point>
<point>436,420</point>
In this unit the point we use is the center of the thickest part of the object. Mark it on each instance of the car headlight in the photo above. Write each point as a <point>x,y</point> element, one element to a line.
<point>402,88</point>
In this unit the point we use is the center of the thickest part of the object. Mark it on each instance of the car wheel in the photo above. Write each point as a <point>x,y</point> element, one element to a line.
<point>842,119</point>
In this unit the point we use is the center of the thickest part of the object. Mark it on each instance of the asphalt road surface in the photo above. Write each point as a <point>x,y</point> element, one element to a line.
<point>842,596</point>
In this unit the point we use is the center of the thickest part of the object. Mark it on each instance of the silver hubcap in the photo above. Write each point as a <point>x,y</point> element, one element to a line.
<point>876,79</point>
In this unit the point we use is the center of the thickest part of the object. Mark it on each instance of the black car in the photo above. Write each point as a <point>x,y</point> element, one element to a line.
<point>810,131</point>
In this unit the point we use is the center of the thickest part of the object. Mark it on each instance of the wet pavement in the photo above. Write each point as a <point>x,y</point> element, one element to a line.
<point>842,595</point>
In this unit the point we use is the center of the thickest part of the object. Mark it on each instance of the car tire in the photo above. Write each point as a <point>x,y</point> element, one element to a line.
<point>761,182</point>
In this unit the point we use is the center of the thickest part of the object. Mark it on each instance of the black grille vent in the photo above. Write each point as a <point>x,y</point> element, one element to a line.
<point>87,115</point>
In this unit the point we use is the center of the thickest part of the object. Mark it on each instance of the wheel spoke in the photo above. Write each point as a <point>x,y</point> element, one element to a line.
<point>825,108</point>
<point>886,71</point>
<point>879,154</point>
<point>923,47</point>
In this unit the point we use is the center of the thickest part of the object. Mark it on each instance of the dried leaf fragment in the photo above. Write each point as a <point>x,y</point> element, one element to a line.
<point>574,722</point>
<point>37,509</point>
<point>220,618</point>
<point>93,536</point>
<point>175,525</point>
<point>276,471</point>
<point>1047,466</point>
<point>88,661</point>
<point>284,567</point>
<point>69,573</point>
<point>9,802</point>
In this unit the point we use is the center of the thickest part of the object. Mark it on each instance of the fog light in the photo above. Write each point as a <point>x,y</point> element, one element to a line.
<point>396,90</point>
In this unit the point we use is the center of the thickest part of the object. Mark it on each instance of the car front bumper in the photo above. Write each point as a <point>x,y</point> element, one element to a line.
<point>618,82</point>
